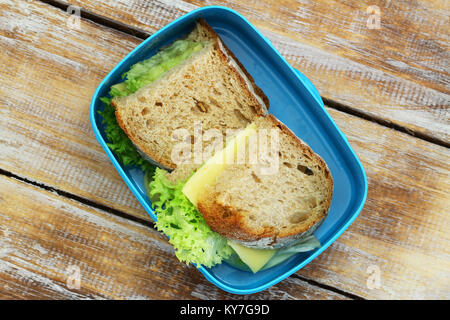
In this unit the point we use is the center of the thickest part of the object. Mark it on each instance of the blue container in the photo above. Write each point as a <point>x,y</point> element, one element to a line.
<point>293,99</point>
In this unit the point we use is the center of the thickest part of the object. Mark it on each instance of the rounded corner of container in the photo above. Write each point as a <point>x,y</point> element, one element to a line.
<point>92,115</point>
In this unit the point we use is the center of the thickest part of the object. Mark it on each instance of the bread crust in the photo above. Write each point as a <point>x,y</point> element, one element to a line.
<point>230,223</point>
<point>262,110</point>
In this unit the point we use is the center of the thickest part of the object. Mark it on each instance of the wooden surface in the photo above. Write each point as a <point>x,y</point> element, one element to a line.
<point>63,204</point>
<point>399,73</point>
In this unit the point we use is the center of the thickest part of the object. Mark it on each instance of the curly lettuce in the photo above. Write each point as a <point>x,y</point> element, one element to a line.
<point>192,238</point>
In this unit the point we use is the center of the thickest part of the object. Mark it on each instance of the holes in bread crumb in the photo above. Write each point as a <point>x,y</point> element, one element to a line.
<point>252,217</point>
<point>289,165</point>
<point>214,102</point>
<point>243,119</point>
<point>298,217</point>
<point>238,103</point>
<point>145,111</point>
<point>158,104</point>
<point>305,170</point>
<point>226,214</point>
<point>201,106</point>
<point>311,202</point>
<point>255,109</point>
<point>256,178</point>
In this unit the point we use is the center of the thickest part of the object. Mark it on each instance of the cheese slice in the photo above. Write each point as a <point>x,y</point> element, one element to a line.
<point>209,171</point>
<point>254,258</point>
<point>207,174</point>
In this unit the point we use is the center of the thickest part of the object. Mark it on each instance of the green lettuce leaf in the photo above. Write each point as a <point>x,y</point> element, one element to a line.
<point>192,238</point>
<point>119,142</point>
<point>147,71</point>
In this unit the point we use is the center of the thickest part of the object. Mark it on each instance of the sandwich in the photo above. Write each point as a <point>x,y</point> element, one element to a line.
<point>228,181</point>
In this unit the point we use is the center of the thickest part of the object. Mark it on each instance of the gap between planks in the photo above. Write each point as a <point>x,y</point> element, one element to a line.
<point>150,224</point>
<point>141,34</point>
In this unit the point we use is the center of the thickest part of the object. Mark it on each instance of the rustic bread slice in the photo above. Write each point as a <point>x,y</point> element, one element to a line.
<point>270,210</point>
<point>210,88</point>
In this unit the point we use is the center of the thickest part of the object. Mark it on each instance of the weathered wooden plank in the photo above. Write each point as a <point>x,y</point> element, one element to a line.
<point>48,76</point>
<point>46,240</point>
<point>399,72</point>
<point>402,234</point>
<point>46,137</point>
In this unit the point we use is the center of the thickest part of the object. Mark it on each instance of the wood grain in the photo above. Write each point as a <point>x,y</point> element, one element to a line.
<point>49,75</point>
<point>403,230</point>
<point>45,136</point>
<point>46,239</point>
<point>399,73</point>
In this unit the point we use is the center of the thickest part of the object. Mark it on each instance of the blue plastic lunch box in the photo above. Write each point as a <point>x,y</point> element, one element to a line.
<point>293,99</point>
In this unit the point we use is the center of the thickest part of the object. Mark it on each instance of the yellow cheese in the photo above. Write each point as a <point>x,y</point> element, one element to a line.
<point>254,258</point>
<point>209,171</point>
<point>207,174</point>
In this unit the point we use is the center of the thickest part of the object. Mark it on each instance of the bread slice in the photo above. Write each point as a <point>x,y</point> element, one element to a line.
<point>210,88</point>
<point>270,210</point>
